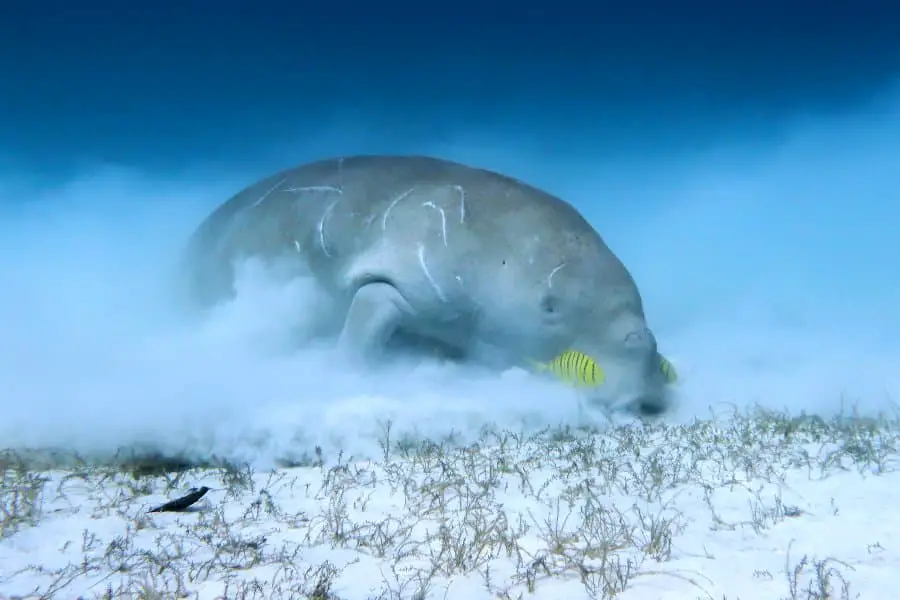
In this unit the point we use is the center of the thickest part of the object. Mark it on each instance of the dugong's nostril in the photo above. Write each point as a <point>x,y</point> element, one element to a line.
<point>640,339</point>
<point>634,339</point>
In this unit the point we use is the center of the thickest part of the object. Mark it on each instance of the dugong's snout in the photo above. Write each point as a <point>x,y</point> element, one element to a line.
<point>628,374</point>
<point>643,374</point>
<point>635,384</point>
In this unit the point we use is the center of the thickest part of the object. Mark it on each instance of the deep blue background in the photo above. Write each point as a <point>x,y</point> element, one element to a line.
<point>166,83</point>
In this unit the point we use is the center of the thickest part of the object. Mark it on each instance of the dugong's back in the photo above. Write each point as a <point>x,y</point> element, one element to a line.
<point>374,180</point>
<point>331,209</point>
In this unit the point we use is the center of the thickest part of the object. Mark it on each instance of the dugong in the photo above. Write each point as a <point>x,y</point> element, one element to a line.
<point>416,250</point>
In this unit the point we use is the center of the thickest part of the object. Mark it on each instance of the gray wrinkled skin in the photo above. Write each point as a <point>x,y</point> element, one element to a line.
<point>417,250</point>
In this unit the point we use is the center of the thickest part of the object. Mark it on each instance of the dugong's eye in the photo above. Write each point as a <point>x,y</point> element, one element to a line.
<point>549,304</point>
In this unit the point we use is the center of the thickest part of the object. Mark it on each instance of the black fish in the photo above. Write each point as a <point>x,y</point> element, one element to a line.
<point>180,504</point>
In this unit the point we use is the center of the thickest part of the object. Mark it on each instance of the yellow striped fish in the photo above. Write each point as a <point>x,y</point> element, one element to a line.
<point>575,368</point>
<point>668,370</point>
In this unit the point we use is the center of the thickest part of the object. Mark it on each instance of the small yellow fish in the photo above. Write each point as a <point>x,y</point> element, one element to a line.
<point>668,369</point>
<point>575,368</point>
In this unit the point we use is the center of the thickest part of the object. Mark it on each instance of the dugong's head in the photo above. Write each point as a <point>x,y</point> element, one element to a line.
<point>592,309</point>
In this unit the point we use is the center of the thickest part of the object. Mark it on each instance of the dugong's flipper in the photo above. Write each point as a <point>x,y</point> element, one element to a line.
<point>376,313</point>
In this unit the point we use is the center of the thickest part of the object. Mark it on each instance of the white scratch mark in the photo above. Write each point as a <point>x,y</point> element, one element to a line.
<point>321,228</point>
<point>443,219</point>
<point>315,188</point>
<point>322,188</point>
<point>462,202</point>
<point>297,245</point>
<point>552,273</point>
<point>393,204</point>
<point>268,193</point>
<point>434,285</point>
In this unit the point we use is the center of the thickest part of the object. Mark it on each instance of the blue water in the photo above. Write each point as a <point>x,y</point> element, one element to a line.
<point>743,164</point>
